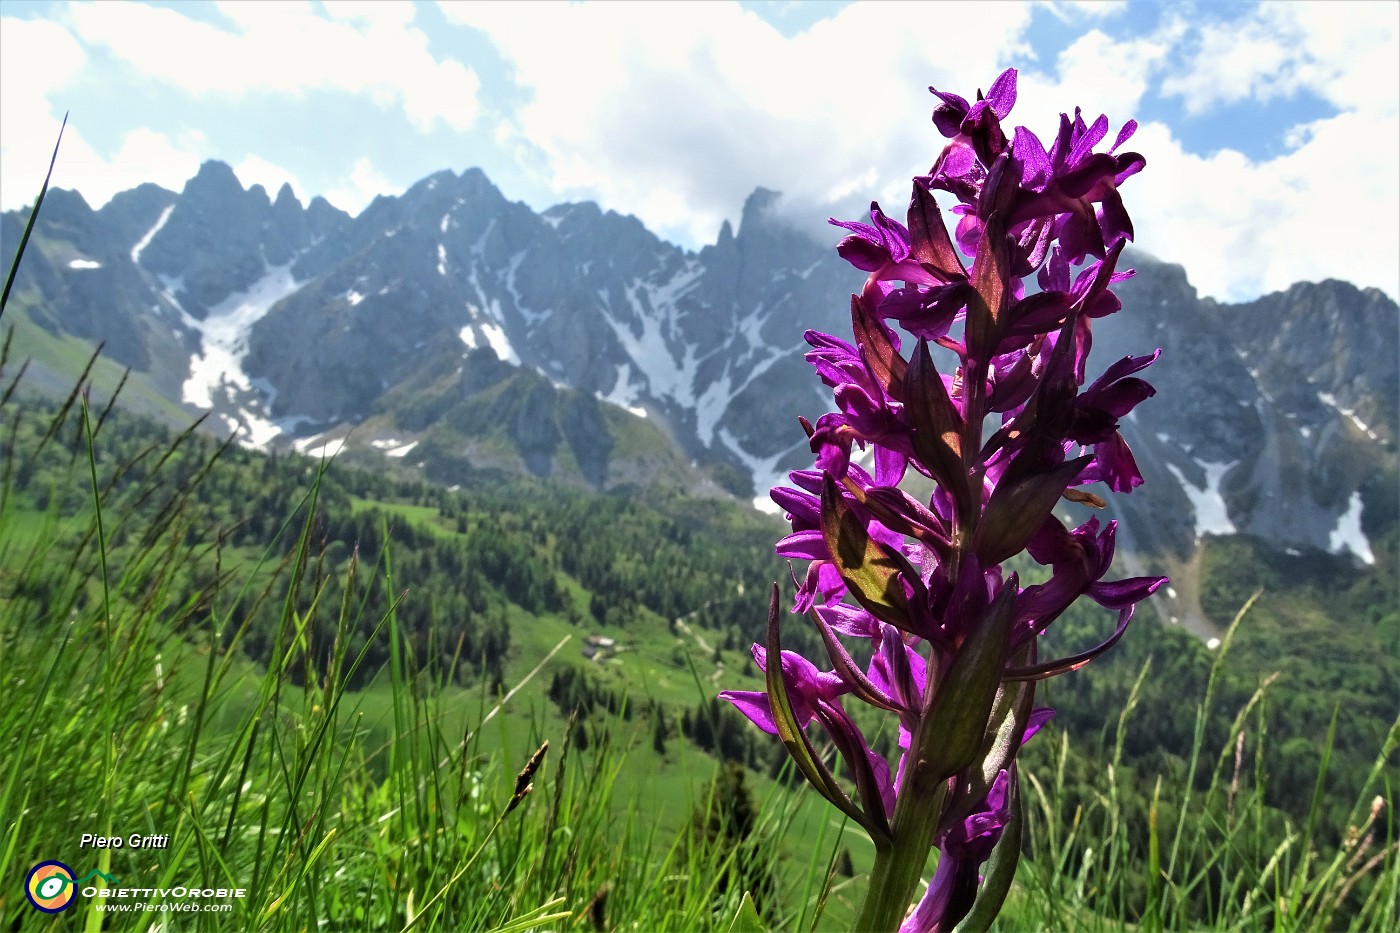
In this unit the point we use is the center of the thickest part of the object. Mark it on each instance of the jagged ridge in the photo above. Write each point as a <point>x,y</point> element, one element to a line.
<point>489,335</point>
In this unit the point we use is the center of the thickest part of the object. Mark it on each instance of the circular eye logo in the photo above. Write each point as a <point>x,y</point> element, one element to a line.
<point>49,887</point>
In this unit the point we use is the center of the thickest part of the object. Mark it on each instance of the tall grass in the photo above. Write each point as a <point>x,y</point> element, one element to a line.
<point>126,712</point>
<point>1216,857</point>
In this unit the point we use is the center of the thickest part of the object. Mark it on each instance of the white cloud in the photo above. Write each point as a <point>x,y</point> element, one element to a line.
<point>1095,72</point>
<point>286,48</point>
<point>1244,61</point>
<point>379,13</point>
<point>1344,54</point>
<point>1325,207</point>
<point>283,49</point>
<point>361,186</point>
<point>1065,10</point>
<point>255,170</point>
<point>143,155</point>
<point>675,112</point>
<point>1242,228</point>
<point>37,58</point>
<point>40,60</point>
<point>1353,59</point>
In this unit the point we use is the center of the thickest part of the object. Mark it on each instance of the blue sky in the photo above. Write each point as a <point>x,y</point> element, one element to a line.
<point>1271,130</point>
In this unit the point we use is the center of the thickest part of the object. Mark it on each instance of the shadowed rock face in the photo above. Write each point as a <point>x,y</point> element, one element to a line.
<point>1258,424</point>
<point>457,317</point>
<point>78,278</point>
<point>1324,347</point>
<point>211,241</point>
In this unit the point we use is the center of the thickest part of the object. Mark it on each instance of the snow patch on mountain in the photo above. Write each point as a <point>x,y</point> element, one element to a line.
<point>479,247</point>
<point>145,241</point>
<point>489,304</point>
<point>1330,400</point>
<point>711,406</point>
<point>319,446</point>
<point>531,316</point>
<point>764,470</point>
<point>1348,535</point>
<point>715,400</point>
<point>624,393</point>
<point>750,326</point>
<point>292,423</point>
<point>490,334</point>
<point>665,376</point>
<point>218,367</point>
<point>253,429</point>
<point>496,337</point>
<point>169,287</point>
<point>1212,515</point>
<point>667,293</point>
<point>766,505</point>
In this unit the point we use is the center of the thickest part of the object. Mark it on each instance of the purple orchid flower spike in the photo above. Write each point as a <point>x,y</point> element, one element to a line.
<point>915,587</point>
<point>872,247</point>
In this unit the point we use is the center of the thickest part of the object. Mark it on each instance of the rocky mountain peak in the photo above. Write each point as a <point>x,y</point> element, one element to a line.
<point>722,257</point>
<point>757,207</point>
<point>130,215</point>
<point>475,182</point>
<point>216,183</point>
<point>323,217</point>
<point>1168,278</point>
<point>218,238</point>
<point>1322,348</point>
<point>286,201</point>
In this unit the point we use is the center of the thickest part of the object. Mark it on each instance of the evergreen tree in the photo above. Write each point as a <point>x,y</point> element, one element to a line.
<point>723,835</point>
<point>658,733</point>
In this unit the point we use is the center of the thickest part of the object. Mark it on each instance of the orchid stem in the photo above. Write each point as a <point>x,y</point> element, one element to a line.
<point>899,864</point>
